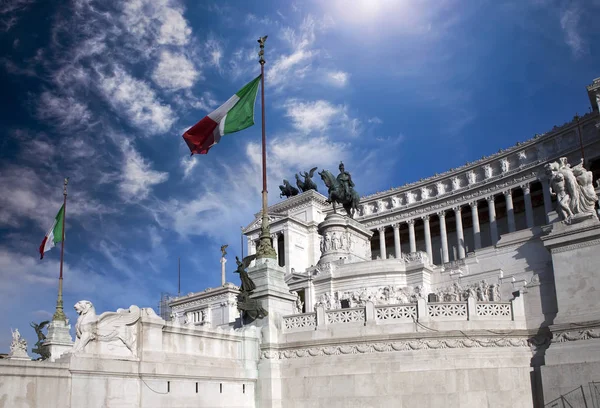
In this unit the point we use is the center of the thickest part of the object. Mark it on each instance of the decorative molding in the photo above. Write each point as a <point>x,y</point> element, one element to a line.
<point>577,245</point>
<point>576,335</point>
<point>200,302</point>
<point>395,346</point>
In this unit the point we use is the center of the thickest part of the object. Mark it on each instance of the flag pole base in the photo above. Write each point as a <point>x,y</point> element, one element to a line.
<point>265,246</point>
<point>59,314</point>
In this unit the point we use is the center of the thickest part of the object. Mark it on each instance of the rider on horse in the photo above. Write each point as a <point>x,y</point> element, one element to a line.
<point>345,180</point>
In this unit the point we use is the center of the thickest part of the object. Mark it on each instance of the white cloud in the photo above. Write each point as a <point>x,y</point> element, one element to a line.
<point>214,50</point>
<point>142,18</point>
<point>188,163</point>
<point>175,71</point>
<point>338,78</point>
<point>319,116</point>
<point>137,101</point>
<point>570,22</point>
<point>375,120</point>
<point>138,178</point>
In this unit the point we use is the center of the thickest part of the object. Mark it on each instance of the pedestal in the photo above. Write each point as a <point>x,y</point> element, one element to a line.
<point>573,357</point>
<point>18,354</point>
<point>59,339</point>
<point>344,238</point>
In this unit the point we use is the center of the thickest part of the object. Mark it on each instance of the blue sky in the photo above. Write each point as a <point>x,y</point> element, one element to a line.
<point>101,92</point>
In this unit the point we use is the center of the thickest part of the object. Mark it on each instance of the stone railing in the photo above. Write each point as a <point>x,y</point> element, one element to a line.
<point>300,321</point>
<point>421,311</point>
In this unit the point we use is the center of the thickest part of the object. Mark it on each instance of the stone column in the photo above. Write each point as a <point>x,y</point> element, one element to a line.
<point>476,229</point>
<point>528,206</point>
<point>286,250</point>
<point>493,224</point>
<point>460,237</point>
<point>443,236</point>
<point>428,248</point>
<point>510,212</point>
<point>397,247</point>
<point>381,242</point>
<point>251,247</point>
<point>411,235</point>
<point>547,198</point>
<point>275,246</point>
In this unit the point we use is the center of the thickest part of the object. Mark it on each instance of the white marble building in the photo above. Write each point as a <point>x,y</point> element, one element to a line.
<point>466,289</point>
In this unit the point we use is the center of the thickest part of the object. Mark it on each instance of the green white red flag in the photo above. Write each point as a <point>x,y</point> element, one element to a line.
<point>234,115</point>
<point>55,234</point>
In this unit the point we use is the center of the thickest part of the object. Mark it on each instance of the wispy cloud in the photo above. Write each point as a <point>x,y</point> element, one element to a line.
<point>338,78</point>
<point>570,19</point>
<point>138,178</point>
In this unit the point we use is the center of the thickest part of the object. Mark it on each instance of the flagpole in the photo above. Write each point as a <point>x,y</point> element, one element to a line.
<point>265,247</point>
<point>59,314</point>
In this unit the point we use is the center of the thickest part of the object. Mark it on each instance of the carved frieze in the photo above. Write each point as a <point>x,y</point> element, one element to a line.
<point>394,346</point>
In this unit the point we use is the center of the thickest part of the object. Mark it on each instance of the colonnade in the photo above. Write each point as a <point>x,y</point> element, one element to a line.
<point>461,248</point>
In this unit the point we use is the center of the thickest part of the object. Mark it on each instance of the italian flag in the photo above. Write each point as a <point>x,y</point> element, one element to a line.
<point>234,115</point>
<point>55,234</point>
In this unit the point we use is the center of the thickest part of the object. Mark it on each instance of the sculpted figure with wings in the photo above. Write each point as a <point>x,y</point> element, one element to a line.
<point>108,327</point>
<point>250,309</point>
<point>307,184</point>
<point>223,248</point>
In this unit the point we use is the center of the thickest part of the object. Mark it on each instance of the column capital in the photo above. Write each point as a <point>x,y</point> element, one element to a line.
<point>473,204</point>
<point>425,218</point>
<point>381,229</point>
<point>396,226</point>
<point>441,214</point>
<point>411,222</point>
<point>457,209</point>
<point>489,199</point>
<point>507,193</point>
<point>526,187</point>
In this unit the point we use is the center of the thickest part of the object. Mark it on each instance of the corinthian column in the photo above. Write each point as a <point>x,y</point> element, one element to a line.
<point>528,207</point>
<point>476,228</point>
<point>381,242</point>
<point>397,249</point>
<point>510,212</point>
<point>460,238</point>
<point>428,249</point>
<point>411,235</point>
<point>493,224</point>
<point>443,236</point>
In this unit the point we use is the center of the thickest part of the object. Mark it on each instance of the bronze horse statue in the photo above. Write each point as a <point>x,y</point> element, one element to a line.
<point>337,193</point>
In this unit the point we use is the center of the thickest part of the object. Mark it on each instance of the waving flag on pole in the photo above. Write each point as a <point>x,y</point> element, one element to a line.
<point>234,115</point>
<point>55,233</point>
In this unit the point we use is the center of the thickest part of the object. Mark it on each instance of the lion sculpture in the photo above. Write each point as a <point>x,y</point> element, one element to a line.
<point>108,327</point>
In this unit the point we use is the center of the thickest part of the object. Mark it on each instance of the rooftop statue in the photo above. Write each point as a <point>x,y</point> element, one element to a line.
<point>341,190</point>
<point>573,189</point>
<point>223,250</point>
<point>287,189</point>
<point>307,184</point>
<point>18,346</point>
<point>250,309</point>
<point>41,349</point>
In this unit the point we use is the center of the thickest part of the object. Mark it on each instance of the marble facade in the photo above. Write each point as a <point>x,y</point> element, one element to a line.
<point>466,289</point>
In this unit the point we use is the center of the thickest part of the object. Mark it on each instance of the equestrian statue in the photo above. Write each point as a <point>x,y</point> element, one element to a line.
<point>287,189</point>
<point>341,190</point>
<point>307,184</point>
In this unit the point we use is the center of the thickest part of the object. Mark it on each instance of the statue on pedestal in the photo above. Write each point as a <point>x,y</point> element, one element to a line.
<point>40,348</point>
<point>341,190</point>
<point>18,346</point>
<point>287,189</point>
<point>307,184</point>
<point>250,309</point>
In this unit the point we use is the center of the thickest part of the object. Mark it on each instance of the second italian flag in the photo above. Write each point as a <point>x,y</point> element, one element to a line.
<point>54,236</point>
